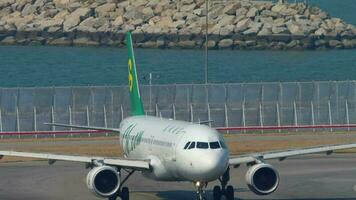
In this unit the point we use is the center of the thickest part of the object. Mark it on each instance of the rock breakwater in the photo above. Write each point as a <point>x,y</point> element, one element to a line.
<point>239,24</point>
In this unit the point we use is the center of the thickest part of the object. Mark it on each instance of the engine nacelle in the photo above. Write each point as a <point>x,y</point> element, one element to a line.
<point>103,181</point>
<point>262,179</point>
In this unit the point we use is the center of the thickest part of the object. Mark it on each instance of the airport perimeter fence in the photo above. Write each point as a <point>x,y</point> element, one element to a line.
<point>238,105</point>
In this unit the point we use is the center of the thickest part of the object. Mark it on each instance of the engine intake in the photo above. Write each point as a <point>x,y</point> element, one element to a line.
<point>262,179</point>
<point>103,181</point>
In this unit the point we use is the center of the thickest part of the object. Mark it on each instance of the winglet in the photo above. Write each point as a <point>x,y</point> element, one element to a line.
<point>135,96</point>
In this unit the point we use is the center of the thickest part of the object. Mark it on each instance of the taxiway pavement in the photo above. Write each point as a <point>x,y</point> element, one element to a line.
<point>316,177</point>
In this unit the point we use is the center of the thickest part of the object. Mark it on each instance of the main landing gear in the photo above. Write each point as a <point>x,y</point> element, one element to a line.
<point>224,190</point>
<point>123,192</point>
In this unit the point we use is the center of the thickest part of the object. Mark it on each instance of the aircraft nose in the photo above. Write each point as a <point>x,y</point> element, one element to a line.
<point>213,165</point>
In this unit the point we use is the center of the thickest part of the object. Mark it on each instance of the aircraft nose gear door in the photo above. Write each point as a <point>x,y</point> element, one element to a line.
<point>201,190</point>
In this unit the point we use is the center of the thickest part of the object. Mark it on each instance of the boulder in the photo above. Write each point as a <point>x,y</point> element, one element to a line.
<point>138,3</point>
<point>211,44</point>
<point>188,8</point>
<point>147,13</point>
<point>254,28</point>
<point>74,6</point>
<point>288,12</point>
<point>48,22</point>
<point>75,18</point>
<point>8,40</point>
<point>265,32</point>
<point>187,44</point>
<point>160,43</point>
<point>241,11</point>
<point>89,25</point>
<point>199,12</point>
<point>279,30</point>
<point>105,9</point>
<point>132,13</point>
<point>265,20</point>
<point>118,21</point>
<point>335,43</point>
<point>239,44</point>
<point>104,25</point>
<point>225,43</point>
<point>320,32</point>
<point>178,24</point>
<point>294,29</point>
<point>6,3</point>
<point>84,41</point>
<point>61,42</point>
<point>279,8</point>
<point>148,44</point>
<point>332,34</point>
<point>319,43</point>
<point>54,29</point>
<point>230,9</point>
<point>165,22</point>
<point>153,29</point>
<point>227,30</point>
<point>225,20</point>
<point>348,44</point>
<point>252,12</point>
<point>242,25</point>
<point>279,22</point>
<point>29,9</point>
<point>268,13</point>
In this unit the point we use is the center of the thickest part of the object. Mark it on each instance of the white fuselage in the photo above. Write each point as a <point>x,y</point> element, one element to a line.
<point>177,150</point>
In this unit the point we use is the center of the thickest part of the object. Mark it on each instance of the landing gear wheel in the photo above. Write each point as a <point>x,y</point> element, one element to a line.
<point>114,197</point>
<point>125,194</point>
<point>230,193</point>
<point>217,193</point>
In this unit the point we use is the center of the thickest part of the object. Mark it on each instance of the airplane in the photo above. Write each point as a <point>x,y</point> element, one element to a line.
<point>172,150</point>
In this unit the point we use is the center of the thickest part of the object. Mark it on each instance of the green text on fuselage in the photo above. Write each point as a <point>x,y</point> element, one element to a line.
<point>130,139</point>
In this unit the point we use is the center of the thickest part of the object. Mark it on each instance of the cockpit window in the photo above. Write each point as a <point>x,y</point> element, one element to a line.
<point>223,145</point>
<point>202,145</point>
<point>214,145</point>
<point>192,145</point>
<point>187,145</point>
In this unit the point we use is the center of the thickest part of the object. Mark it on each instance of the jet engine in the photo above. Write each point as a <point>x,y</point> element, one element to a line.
<point>103,181</point>
<point>262,179</point>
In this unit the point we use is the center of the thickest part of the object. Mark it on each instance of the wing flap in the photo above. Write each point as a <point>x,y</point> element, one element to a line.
<point>124,163</point>
<point>288,153</point>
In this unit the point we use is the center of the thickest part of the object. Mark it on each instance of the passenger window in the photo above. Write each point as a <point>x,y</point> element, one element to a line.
<point>223,145</point>
<point>214,145</point>
<point>202,145</point>
<point>192,145</point>
<point>187,145</point>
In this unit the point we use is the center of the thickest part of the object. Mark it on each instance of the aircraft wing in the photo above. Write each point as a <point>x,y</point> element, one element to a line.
<point>85,127</point>
<point>90,161</point>
<point>281,155</point>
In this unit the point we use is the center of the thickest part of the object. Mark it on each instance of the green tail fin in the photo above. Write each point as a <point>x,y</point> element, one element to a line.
<point>135,96</point>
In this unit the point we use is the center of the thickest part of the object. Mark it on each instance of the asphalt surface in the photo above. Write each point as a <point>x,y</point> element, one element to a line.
<point>309,177</point>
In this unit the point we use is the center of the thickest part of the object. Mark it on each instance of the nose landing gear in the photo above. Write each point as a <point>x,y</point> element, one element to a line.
<point>224,190</point>
<point>200,190</point>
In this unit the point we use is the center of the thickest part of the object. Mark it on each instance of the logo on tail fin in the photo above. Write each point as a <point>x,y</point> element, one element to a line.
<point>130,75</point>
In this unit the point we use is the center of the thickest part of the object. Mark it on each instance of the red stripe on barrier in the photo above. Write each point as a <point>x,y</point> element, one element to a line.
<point>53,132</point>
<point>285,127</point>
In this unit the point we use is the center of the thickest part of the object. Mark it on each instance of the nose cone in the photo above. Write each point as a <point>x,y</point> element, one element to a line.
<point>213,165</point>
<point>207,165</point>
